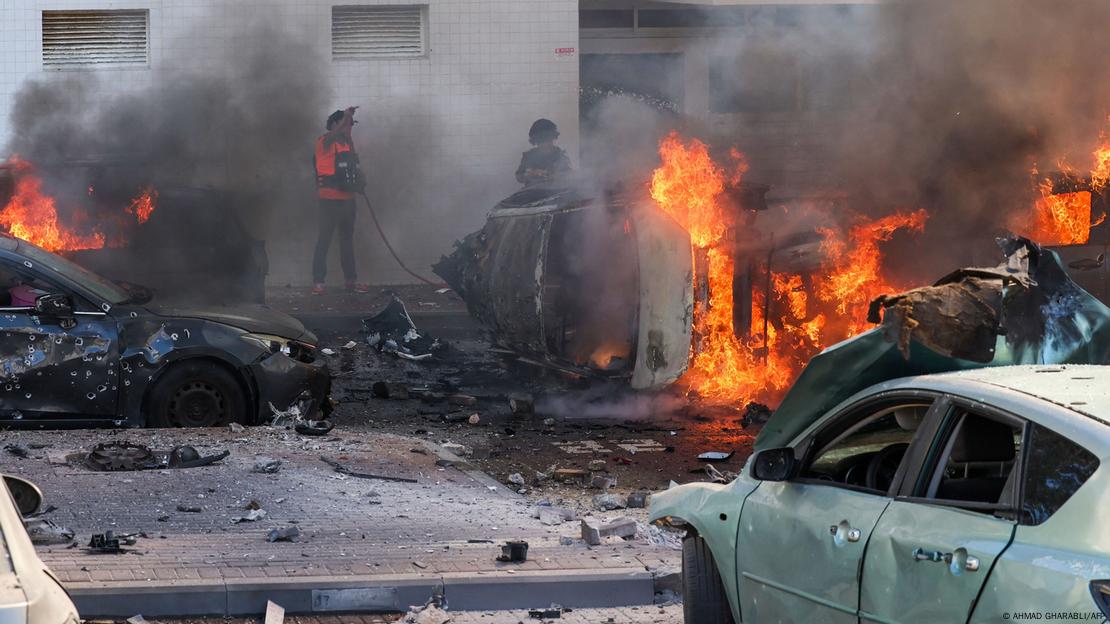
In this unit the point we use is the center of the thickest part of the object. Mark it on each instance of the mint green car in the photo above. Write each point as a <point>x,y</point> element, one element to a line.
<point>971,496</point>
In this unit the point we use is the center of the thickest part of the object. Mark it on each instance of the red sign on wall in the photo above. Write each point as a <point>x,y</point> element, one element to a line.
<point>564,51</point>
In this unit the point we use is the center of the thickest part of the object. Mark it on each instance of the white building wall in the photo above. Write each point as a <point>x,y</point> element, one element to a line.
<point>464,109</point>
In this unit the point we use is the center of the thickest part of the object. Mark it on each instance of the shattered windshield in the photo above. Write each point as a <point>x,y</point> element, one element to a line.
<point>99,286</point>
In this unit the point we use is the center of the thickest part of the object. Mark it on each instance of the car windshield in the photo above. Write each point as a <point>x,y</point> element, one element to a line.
<point>99,286</point>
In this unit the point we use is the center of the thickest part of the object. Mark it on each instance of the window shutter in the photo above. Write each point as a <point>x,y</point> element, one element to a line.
<point>95,38</point>
<point>377,31</point>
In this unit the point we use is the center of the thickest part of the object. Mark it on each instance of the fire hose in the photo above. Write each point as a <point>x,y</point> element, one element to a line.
<point>401,263</point>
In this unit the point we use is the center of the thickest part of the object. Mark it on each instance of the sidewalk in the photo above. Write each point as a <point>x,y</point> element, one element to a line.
<point>364,545</point>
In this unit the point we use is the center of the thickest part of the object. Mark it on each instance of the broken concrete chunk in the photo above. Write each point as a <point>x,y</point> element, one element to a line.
<point>603,482</point>
<point>457,449</point>
<point>598,465</point>
<point>474,419</point>
<point>551,516</point>
<point>593,531</point>
<point>266,465</point>
<point>430,614</point>
<point>522,404</point>
<point>638,500</point>
<point>251,516</point>
<point>288,534</point>
<point>188,509</point>
<point>608,502</point>
<point>566,513</point>
<point>236,427</point>
<point>516,479</point>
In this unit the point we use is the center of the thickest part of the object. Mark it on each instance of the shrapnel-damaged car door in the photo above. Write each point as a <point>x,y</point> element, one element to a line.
<point>933,549</point>
<point>801,542</point>
<point>53,366</point>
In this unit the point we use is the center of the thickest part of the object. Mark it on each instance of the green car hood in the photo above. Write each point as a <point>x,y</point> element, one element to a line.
<point>1039,317</point>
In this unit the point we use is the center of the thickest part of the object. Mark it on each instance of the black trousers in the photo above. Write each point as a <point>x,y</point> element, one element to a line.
<point>335,214</point>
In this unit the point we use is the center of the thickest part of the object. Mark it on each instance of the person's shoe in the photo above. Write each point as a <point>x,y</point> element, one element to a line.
<point>355,287</point>
<point>317,289</point>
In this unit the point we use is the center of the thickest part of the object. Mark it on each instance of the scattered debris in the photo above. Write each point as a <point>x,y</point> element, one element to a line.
<point>592,532</point>
<point>515,551</point>
<point>444,463</point>
<point>18,450</point>
<point>638,500</point>
<point>285,418</point>
<point>571,474</point>
<point>189,509</point>
<point>314,427</point>
<point>110,543</point>
<point>711,456</point>
<point>516,479</point>
<point>474,419</point>
<point>755,414</point>
<point>429,614</point>
<point>392,331</point>
<point>111,456</point>
<point>350,345</point>
<point>603,482</point>
<point>43,531</point>
<point>253,515</point>
<point>608,502</point>
<point>288,534</point>
<point>341,469</point>
<point>389,390</point>
<point>598,465</point>
<point>136,619</point>
<point>266,465</point>
<point>553,516</point>
<point>236,427</point>
<point>719,476</point>
<point>522,404</point>
<point>328,351</point>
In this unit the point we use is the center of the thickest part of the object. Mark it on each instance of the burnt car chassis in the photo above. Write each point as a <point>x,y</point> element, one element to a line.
<point>89,351</point>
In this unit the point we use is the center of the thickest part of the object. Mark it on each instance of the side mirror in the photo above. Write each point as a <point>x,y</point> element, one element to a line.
<point>27,495</point>
<point>774,464</point>
<point>55,305</point>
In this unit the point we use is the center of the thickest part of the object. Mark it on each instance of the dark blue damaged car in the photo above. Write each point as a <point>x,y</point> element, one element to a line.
<point>77,349</point>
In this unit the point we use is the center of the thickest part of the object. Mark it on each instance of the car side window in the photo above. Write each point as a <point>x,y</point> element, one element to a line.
<point>866,450</point>
<point>1055,469</point>
<point>975,463</point>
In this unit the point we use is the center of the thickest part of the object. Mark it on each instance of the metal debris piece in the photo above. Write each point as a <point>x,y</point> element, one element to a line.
<point>288,534</point>
<point>392,331</point>
<point>755,414</point>
<point>110,543</point>
<point>514,551</point>
<point>251,516</point>
<point>314,427</point>
<point>266,465</point>
<point>112,456</point>
<point>18,450</point>
<point>341,469</point>
<point>42,531</point>
<point>712,456</point>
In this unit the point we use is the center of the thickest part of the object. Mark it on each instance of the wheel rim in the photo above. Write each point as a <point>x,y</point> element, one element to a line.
<point>197,404</point>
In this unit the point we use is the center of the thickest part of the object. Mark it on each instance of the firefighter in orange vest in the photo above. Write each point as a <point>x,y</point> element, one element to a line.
<point>337,181</point>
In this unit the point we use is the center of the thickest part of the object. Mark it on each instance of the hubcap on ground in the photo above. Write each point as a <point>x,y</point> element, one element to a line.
<point>197,404</point>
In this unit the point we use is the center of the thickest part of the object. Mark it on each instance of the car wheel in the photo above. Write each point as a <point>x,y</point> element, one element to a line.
<point>196,394</point>
<point>703,593</point>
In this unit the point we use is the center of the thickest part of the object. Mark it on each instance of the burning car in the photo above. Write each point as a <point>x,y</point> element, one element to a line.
<point>945,466</point>
<point>76,348</point>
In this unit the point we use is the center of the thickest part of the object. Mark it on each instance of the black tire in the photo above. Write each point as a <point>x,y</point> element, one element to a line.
<point>703,593</point>
<point>196,393</point>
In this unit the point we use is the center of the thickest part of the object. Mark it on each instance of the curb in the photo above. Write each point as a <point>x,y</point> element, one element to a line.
<point>367,594</point>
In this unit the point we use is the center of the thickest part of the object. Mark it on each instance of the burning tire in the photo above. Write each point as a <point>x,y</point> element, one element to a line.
<point>703,593</point>
<point>196,394</point>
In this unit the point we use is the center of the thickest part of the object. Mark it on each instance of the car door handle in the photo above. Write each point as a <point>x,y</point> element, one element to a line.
<point>970,563</point>
<point>844,532</point>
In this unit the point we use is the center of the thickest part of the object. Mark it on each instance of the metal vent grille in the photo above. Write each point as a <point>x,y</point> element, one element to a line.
<point>389,31</point>
<point>95,38</point>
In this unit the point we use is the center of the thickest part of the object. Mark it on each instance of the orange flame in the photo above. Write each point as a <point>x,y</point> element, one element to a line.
<point>143,205</point>
<point>32,215</point>
<point>688,186</point>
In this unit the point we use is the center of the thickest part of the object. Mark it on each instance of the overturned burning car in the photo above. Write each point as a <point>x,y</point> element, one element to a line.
<point>78,349</point>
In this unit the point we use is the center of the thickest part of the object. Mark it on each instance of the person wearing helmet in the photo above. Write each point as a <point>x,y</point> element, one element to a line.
<point>544,162</point>
<point>334,149</point>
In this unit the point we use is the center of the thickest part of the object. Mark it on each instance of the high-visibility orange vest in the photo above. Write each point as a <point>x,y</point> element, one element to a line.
<point>325,169</point>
